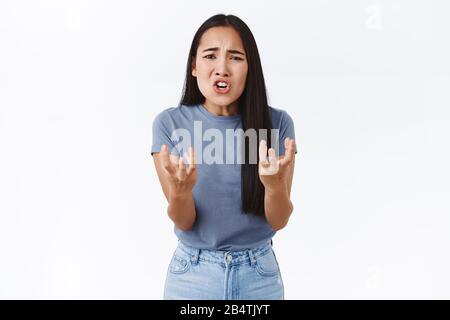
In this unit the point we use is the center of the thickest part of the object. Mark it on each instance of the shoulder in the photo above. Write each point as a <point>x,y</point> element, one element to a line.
<point>177,113</point>
<point>280,117</point>
<point>166,113</point>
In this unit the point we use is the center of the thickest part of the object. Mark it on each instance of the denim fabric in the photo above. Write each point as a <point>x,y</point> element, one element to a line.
<point>198,274</point>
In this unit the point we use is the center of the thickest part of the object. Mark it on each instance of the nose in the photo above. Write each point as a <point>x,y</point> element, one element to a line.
<point>222,67</point>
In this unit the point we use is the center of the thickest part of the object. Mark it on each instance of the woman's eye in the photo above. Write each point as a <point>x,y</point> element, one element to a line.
<point>234,58</point>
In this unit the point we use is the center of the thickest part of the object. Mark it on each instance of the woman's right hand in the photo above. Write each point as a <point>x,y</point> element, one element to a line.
<point>181,180</point>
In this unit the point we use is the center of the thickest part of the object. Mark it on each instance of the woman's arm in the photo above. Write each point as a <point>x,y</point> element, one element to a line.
<point>181,210</point>
<point>277,203</point>
<point>181,207</point>
<point>276,176</point>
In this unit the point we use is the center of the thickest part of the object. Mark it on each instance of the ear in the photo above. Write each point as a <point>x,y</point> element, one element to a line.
<point>194,70</point>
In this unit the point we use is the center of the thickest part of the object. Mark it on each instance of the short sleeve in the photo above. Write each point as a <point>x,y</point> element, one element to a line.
<point>287,130</point>
<point>161,133</point>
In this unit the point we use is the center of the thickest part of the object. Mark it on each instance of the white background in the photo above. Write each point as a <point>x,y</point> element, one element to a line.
<point>82,214</point>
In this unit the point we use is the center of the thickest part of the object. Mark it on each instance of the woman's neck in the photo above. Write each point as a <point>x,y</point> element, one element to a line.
<point>218,110</point>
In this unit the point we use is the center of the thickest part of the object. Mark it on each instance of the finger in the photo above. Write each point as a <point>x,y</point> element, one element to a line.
<point>187,159</point>
<point>286,143</point>
<point>273,159</point>
<point>191,160</point>
<point>181,169</point>
<point>290,150</point>
<point>174,158</point>
<point>272,155</point>
<point>263,152</point>
<point>289,153</point>
<point>165,162</point>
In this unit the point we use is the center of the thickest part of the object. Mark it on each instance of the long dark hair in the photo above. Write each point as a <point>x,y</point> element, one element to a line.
<point>252,105</point>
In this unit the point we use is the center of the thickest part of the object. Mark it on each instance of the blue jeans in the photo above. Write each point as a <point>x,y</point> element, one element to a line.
<point>198,274</point>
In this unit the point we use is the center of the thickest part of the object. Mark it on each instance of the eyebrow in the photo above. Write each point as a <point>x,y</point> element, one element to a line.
<point>230,51</point>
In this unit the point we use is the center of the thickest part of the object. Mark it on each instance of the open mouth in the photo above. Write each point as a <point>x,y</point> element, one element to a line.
<point>222,86</point>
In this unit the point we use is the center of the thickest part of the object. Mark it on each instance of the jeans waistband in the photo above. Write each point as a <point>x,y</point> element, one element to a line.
<point>224,256</point>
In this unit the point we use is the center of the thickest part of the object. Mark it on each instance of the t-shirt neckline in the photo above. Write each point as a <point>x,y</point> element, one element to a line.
<point>205,111</point>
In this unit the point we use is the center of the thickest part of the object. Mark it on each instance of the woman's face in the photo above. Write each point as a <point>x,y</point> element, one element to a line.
<point>220,56</point>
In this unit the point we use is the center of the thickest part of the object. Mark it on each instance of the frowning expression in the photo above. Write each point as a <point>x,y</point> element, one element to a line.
<point>220,66</point>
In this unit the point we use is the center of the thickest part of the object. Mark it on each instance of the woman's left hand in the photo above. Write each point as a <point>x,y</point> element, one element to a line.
<point>273,171</point>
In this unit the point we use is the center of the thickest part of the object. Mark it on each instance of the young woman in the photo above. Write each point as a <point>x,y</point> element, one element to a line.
<point>225,211</point>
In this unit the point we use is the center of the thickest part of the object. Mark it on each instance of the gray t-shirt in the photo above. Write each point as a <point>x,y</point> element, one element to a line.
<point>220,222</point>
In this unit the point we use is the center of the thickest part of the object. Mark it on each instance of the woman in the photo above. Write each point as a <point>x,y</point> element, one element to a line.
<point>225,211</point>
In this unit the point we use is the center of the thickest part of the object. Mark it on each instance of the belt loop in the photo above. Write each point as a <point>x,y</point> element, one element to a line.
<point>195,255</point>
<point>251,256</point>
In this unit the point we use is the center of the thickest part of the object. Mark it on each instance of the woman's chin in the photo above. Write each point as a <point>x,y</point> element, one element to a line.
<point>221,101</point>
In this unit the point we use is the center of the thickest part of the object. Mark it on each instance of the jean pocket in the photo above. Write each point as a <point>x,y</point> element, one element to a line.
<point>179,264</point>
<point>267,265</point>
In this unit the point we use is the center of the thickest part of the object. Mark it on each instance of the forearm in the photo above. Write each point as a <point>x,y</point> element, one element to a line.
<point>181,210</point>
<point>278,207</point>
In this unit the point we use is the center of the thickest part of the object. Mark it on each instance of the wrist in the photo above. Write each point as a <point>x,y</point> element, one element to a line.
<point>173,195</point>
<point>276,190</point>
